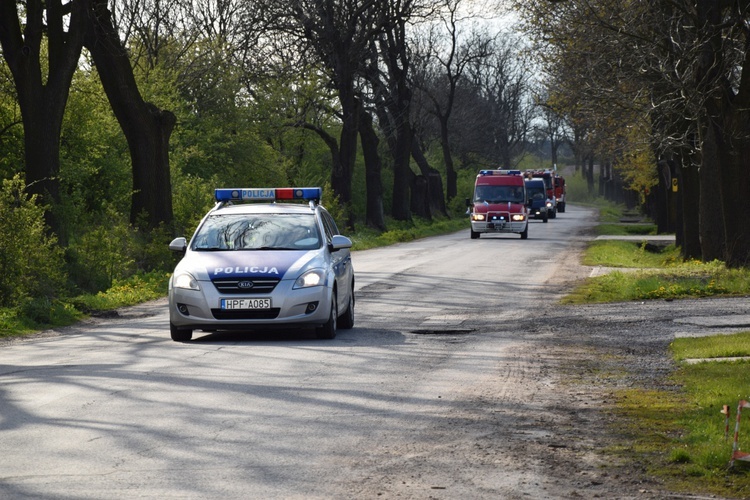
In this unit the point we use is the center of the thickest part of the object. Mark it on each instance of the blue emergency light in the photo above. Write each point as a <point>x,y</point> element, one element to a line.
<point>268,194</point>
<point>499,172</point>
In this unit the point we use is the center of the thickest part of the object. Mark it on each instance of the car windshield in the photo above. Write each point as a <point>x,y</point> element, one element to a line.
<point>535,193</point>
<point>258,232</point>
<point>497,194</point>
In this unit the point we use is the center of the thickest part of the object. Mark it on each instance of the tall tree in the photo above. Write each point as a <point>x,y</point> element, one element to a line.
<point>42,54</point>
<point>447,56</point>
<point>339,33</point>
<point>146,127</point>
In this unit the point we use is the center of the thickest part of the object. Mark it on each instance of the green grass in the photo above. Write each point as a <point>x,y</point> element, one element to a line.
<point>717,346</point>
<point>679,436</point>
<point>39,314</point>
<point>626,229</point>
<point>652,272</point>
<point>620,253</point>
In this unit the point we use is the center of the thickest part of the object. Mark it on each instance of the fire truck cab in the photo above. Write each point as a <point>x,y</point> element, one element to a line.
<point>499,204</point>
<point>549,181</point>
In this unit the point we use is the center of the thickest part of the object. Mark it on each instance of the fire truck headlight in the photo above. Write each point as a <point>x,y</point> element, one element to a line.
<point>519,217</point>
<point>477,216</point>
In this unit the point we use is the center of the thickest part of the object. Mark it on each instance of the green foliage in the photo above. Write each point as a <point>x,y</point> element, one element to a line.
<point>11,128</point>
<point>465,189</point>
<point>651,272</point>
<point>715,346</point>
<point>621,253</point>
<point>192,197</point>
<point>102,254</point>
<point>135,289</point>
<point>626,229</point>
<point>31,263</point>
<point>36,314</point>
<point>690,449</point>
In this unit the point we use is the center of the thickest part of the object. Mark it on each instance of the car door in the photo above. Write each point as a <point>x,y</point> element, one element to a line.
<point>342,263</point>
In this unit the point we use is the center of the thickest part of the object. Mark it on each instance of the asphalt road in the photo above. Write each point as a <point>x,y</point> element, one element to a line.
<point>400,406</point>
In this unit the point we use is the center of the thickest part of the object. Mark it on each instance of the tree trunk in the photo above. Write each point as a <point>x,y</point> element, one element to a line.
<point>341,175</point>
<point>734,158</point>
<point>451,178</point>
<point>42,98</point>
<point>402,173</point>
<point>147,128</point>
<point>711,234</point>
<point>688,189</point>
<point>663,199</point>
<point>435,182</point>
<point>375,216</point>
<point>589,168</point>
<point>420,202</point>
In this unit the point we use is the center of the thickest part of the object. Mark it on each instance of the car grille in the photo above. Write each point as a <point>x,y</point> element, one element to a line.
<point>230,285</point>
<point>245,314</point>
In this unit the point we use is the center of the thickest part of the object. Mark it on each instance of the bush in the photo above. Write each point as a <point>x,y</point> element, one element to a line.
<point>31,263</point>
<point>102,254</point>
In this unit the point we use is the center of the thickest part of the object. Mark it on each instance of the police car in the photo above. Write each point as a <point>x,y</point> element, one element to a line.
<point>258,265</point>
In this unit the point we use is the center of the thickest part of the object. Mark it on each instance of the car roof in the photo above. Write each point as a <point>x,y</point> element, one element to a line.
<point>263,208</point>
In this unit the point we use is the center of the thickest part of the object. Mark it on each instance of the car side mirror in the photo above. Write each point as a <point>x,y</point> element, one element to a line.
<point>338,242</point>
<point>178,245</point>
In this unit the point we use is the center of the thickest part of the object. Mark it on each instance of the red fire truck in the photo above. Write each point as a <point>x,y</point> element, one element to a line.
<point>499,204</point>
<point>559,186</point>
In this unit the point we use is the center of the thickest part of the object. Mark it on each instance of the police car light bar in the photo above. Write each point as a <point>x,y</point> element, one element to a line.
<point>268,194</point>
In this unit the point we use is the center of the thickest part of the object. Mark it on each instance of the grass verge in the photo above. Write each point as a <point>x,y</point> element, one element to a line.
<point>652,272</point>
<point>679,436</point>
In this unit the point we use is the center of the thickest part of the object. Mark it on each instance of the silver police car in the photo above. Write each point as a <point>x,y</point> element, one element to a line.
<point>261,265</point>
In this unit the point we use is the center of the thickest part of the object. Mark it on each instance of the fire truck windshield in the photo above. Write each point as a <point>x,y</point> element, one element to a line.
<point>498,194</point>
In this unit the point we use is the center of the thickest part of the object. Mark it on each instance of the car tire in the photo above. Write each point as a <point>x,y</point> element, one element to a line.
<point>346,320</point>
<point>474,235</point>
<point>525,233</point>
<point>328,330</point>
<point>180,334</point>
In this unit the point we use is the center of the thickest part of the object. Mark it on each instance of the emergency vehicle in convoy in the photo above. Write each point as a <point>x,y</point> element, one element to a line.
<point>538,202</point>
<point>548,177</point>
<point>559,185</point>
<point>499,204</point>
<point>273,263</point>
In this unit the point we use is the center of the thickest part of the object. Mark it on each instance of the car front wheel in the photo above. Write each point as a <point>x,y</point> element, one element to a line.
<point>346,320</point>
<point>328,330</point>
<point>180,334</point>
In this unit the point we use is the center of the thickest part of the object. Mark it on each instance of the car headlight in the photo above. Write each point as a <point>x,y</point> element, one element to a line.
<point>477,216</point>
<point>519,217</point>
<point>313,277</point>
<point>185,280</point>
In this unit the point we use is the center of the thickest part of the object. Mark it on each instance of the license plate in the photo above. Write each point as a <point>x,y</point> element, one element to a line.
<point>246,303</point>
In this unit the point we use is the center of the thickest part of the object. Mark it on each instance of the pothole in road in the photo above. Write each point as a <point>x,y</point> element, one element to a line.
<point>434,331</point>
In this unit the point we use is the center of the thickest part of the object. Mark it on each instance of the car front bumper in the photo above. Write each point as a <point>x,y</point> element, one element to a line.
<point>201,309</point>
<point>498,227</point>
